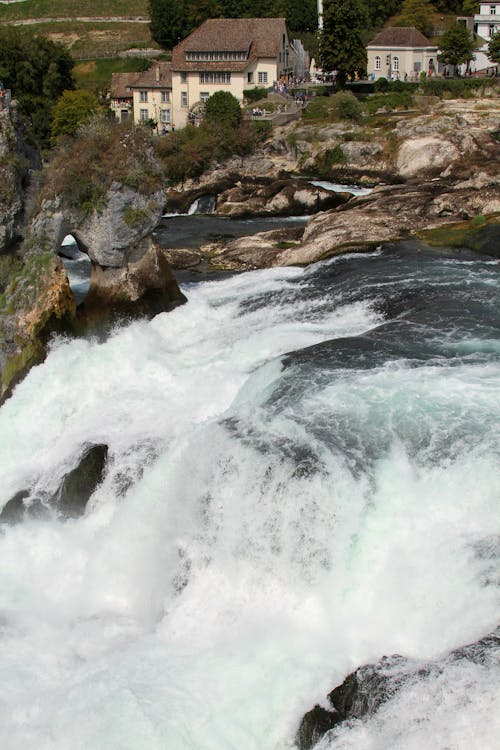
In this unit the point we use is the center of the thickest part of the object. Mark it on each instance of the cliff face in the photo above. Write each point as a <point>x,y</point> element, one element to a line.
<point>16,160</point>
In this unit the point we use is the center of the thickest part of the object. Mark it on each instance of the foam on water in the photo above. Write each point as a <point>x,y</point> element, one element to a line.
<point>262,530</point>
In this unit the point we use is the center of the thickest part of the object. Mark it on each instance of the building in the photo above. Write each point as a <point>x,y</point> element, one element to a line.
<point>152,96</point>
<point>228,54</point>
<point>487,21</point>
<point>401,53</point>
<point>121,98</point>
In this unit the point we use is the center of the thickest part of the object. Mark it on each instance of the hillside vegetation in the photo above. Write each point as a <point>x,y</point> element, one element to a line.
<point>73,8</point>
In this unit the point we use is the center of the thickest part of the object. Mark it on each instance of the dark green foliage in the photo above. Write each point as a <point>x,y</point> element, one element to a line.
<point>71,110</point>
<point>390,101</point>
<point>37,71</point>
<point>199,10</point>
<point>470,7</point>
<point>416,13</point>
<point>494,48</point>
<point>224,109</point>
<point>448,6</point>
<point>169,21</point>
<point>253,95</point>
<point>456,46</point>
<point>341,43</point>
<point>456,87</point>
<point>378,11</point>
<point>345,106</point>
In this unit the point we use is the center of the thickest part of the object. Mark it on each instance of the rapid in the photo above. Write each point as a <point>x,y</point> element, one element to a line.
<point>303,477</point>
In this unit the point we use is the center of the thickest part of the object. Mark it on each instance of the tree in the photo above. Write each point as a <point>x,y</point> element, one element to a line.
<point>470,7</point>
<point>169,21</point>
<point>224,109</point>
<point>494,48</point>
<point>456,46</point>
<point>71,110</point>
<point>341,45</point>
<point>199,10</point>
<point>418,13</point>
<point>38,71</point>
<point>378,11</point>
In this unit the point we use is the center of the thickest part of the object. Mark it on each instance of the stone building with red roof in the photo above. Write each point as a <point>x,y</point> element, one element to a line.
<point>401,52</point>
<point>152,95</point>
<point>121,95</point>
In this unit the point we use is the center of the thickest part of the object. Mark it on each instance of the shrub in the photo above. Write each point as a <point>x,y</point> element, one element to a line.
<point>223,108</point>
<point>345,106</point>
<point>254,95</point>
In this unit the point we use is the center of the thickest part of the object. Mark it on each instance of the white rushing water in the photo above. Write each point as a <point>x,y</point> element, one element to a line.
<point>233,567</point>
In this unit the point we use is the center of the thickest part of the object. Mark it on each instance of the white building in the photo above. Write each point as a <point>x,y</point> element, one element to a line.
<point>401,53</point>
<point>228,54</point>
<point>487,21</point>
<point>152,96</point>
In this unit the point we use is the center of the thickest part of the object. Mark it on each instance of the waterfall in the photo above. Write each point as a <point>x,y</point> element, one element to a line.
<point>204,204</point>
<point>302,477</point>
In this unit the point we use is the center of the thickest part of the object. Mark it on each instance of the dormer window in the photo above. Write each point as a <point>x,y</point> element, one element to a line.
<point>216,55</point>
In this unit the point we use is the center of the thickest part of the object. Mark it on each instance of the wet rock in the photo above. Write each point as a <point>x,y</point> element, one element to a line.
<point>365,690</point>
<point>14,509</point>
<point>79,484</point>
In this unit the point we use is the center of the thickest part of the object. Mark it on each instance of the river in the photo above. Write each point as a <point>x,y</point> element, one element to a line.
<point>303,476</point>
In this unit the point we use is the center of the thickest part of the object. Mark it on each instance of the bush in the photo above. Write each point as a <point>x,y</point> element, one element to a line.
<point>390,101</point>
<point>345,106</point>
<point>254,95</point>
<point>223,108</point>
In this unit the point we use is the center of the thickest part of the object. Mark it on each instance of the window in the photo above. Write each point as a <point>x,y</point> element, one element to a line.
<point>491,29</point>
<point>143,114</point>
<point>143,96</point>
<point>215,77</point>
<point>242,55</point>
<point>263,77</point>
<point>378,62</point>
<point>204,96</point>
<point>165,115</point>
<point>395,63</point>
<point>184,99</point>
<point>165,96</point>
<point>184,77</point>
<point>249,77</point>
<point>493,10</point>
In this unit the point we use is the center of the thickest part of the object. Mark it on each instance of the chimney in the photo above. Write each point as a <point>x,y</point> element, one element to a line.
<point>157,74</point>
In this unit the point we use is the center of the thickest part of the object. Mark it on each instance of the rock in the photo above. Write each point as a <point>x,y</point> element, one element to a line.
<point>79,484</point>
<point>430,155</point>
<point>363,692</point>
<point>14,509</point>
<point>144,287</point>
<point>17,160</point>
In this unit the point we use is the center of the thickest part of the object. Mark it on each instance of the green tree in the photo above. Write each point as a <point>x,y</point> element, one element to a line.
<point>494,48</point>
<point>418,13</point>
<point>71,110</point>
<point>341,46</point>
<point>456,46</point>
<point>378,11</point>
<point>37,71</point>
<point>470,7</point>
<point>224,109</point>
<point>199,10</point>
<point>169,21</point>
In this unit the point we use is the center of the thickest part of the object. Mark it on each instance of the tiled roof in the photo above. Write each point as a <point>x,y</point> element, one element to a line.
<point>400,36</point>
<point>261,37</point>
<point>159,76</point>
<point>120,83</point>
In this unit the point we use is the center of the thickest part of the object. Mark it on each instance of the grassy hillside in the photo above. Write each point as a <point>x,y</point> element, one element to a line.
<point>85,39</point>
<point>72,8</point>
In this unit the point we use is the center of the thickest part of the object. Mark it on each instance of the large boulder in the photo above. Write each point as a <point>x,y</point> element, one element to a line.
<point>364,691</point>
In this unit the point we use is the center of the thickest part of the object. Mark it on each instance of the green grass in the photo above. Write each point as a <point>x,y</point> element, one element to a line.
<point>95,75</point>
<point>73,8</point>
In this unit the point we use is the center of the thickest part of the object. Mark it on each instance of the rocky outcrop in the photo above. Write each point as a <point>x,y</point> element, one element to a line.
<point>16,161</point>
<point>143,287</point>
<point>71,498</point>
<point>285,197</point>
<point>365,690</point>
